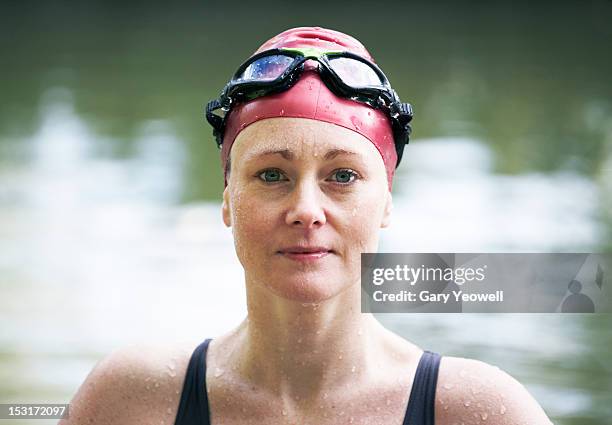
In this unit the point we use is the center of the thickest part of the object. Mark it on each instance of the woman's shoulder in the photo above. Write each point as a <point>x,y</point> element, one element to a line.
<point>133,384</point>
<point>471,391</point>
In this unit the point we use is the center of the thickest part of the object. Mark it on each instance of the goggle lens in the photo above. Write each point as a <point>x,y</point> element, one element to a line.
<point>267,68</point>
<point>355,73</point>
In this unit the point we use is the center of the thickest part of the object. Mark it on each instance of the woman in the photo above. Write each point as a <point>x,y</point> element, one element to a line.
<point>308,155</point>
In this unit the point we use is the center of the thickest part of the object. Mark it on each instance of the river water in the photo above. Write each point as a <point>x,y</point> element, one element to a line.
<point>110,226</point>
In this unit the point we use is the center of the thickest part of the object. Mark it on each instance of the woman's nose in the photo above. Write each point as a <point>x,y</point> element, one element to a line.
<point>311,65</point>
<point>306,207</point>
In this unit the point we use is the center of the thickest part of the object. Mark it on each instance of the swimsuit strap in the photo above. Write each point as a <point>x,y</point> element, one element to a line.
<point>420,410</point>
<point>193,407</point>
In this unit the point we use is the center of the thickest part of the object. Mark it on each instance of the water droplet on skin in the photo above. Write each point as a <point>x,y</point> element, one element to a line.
<point>282,112</point>
<point>502,409</point>
<point>351,420</point>
<point>353,369</point>
<point>148,387</point>
<point>467,403</point>
<point>156,384</point>
<point>169,410</point>
<point>218,372</point>
<point>359,332</point>
<point>463,373</point>
<point>324,396</point>
<point>388,402</point>
<point>446,407</point>
<point>484,416</point>
<point>284,412</point>
<point>340,357</point>
<point>354,212</point>
<point>448,386</point>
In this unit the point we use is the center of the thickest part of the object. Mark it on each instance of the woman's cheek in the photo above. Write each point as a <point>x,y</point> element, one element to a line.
<point>242,232</point>
<point>367,214</point>
<point>253,225</point>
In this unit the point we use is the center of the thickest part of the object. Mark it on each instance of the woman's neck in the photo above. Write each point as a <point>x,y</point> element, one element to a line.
<point>298,350</point>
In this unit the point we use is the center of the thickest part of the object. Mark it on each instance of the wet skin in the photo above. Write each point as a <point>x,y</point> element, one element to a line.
<point>304,199</point>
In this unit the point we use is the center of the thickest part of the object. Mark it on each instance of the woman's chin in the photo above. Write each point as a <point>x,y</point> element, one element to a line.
<point>306,290</point>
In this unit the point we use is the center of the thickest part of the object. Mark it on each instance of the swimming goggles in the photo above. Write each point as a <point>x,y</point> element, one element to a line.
<point>346,74</point>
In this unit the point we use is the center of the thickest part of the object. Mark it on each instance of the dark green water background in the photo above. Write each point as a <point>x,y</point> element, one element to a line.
<point>532,80</point>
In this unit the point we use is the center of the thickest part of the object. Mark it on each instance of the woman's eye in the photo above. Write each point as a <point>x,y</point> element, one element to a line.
<point>345,175</point>
<point>271,175</point>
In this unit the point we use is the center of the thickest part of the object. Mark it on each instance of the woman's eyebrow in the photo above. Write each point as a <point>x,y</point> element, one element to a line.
<point>289,155</point>
<point>331,154</point>
<point>285,153</point>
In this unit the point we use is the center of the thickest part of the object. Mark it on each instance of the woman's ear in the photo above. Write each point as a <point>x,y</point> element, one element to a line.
<point>386,219</point>
<point>225,209</point>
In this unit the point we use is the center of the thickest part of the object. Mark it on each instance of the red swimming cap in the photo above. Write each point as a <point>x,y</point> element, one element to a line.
<point>310,98</point>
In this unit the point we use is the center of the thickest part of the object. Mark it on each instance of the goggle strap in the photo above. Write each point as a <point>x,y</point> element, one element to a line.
<point>215,120</point>
<point>402,128</point>
<point>405,116</point>
<point>401,134</point>
<point>406,110</point>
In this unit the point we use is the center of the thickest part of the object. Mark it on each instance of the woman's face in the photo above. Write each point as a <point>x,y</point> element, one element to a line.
<point>304,198</point>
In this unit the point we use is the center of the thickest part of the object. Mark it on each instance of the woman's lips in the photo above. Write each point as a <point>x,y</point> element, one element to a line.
<point>305,254</point>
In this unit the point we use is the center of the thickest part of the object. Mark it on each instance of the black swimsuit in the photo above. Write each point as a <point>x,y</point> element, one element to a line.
<point>193,408</point>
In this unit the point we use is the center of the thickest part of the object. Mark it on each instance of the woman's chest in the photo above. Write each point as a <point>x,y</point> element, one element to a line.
<point>384,407</point>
